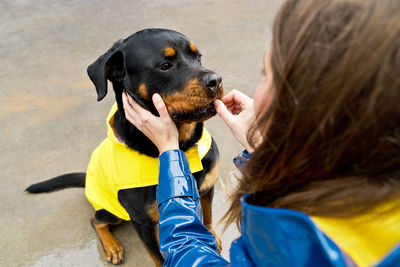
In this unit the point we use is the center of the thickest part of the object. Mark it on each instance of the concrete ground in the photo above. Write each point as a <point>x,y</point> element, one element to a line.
<point>50,119</point>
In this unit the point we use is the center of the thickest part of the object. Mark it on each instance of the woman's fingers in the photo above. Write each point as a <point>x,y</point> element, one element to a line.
<point>136,107</point>
<point>160,106</point>
<point>160,130</point>
<point>228,97</point>
<point>130,117</point>
<point>134,113</point>
<point>236,101</point>
<point>125,100</point>
<point>141,117</point>
<point>223,112</point>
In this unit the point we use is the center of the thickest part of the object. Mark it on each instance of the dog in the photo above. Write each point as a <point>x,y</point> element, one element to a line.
<point>149,61</point>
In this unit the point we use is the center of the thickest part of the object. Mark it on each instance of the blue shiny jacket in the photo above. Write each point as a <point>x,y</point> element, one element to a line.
<point>270,236</point>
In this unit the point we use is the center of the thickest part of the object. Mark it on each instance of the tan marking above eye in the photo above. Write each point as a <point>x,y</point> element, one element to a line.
<point>193,47</point>
<point>143,91</point>
<point>169,52</point>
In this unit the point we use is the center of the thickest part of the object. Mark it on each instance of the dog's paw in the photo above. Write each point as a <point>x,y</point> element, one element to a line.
<point>114,252</point>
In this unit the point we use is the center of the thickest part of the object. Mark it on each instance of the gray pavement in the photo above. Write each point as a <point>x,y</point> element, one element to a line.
<point>50,120</point>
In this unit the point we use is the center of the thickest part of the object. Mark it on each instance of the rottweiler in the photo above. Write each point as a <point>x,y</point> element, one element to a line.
<point>122,175</point>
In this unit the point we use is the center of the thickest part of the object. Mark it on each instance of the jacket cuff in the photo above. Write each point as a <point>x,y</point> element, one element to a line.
<point>241,160</point>
<point>175,178</point>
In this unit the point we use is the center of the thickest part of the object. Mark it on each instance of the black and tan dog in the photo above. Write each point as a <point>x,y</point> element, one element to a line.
<point>149,61</point>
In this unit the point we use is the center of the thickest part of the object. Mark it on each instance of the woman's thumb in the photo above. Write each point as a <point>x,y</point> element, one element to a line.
<point>222,111</point>
<point>160,105</point>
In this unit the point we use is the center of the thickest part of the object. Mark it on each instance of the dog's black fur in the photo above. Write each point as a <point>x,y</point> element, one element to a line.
<point>141,60</point>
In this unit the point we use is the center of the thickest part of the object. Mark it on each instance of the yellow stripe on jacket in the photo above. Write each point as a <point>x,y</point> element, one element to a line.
<point>113,167</point>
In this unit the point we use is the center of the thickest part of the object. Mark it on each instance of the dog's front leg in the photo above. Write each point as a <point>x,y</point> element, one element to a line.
<point>142,209</point>
<point>101,222</point>
<point>149,236</point>
<point>206,206</point>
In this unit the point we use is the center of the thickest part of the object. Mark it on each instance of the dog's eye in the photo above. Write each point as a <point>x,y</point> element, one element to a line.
<point>165,66</point>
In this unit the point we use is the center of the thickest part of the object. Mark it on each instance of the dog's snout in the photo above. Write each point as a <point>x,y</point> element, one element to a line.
<point>213,82</point>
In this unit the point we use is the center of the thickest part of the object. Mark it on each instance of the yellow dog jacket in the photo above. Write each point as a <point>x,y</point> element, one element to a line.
<point>113,167</point>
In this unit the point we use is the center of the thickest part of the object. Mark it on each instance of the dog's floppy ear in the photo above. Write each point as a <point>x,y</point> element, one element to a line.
<point>108,66</point>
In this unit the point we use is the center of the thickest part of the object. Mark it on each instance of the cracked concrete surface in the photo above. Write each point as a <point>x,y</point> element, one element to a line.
<point>50,119</point>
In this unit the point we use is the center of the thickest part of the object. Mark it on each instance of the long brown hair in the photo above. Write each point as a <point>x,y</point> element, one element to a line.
<point>332,135</point>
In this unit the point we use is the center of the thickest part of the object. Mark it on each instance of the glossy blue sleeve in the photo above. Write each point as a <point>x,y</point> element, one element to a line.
<point>184,240</point>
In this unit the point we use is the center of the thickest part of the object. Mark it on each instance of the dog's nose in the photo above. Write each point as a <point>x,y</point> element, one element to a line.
<point>213,81</point>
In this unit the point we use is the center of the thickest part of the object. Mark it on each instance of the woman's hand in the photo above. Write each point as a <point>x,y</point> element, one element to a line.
<point>237,110</point>
<point>161,130</point>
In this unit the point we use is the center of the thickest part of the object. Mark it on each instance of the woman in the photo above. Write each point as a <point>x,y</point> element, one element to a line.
<point>322,184</point>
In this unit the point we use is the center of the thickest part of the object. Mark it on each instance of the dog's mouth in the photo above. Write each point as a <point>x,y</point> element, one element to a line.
<point>201,109</point>
<point>197,115</point>
<point>194,103</point>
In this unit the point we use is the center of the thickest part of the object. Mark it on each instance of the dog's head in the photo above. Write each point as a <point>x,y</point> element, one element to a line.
<point>164,62</point>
